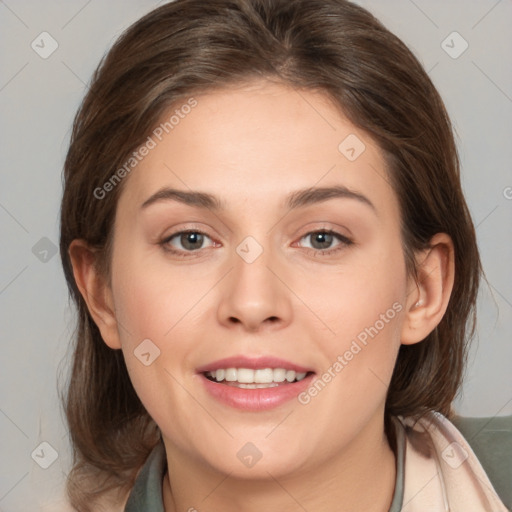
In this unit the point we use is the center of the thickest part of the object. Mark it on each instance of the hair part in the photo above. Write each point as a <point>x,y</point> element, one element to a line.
<point>187,47</point>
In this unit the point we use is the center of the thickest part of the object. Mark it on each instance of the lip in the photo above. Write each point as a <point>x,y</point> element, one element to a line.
<point>261,399</point>
<point>253,363</point>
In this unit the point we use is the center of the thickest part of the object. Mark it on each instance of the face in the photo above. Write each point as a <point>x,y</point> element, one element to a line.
<point>268,278</point>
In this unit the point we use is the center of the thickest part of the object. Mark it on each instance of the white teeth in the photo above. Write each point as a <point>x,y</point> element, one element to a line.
<point>257,386</point>
<point>250,379</point>
<point>245,375</point>
<point>231,375</point>
<point>290,375</point>
<point>264,376</point>
<point>279,375</point>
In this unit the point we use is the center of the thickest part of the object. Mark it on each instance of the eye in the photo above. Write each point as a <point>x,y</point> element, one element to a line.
<point>326,241</point>
<point>185,241</point>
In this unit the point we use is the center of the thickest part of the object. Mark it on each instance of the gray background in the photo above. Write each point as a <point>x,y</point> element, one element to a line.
<point>38,99</point>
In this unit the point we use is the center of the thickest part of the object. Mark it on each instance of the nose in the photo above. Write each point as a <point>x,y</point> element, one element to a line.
<point>254,295</point>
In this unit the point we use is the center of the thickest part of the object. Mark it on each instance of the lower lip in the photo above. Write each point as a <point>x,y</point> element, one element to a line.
<point>260,399</point>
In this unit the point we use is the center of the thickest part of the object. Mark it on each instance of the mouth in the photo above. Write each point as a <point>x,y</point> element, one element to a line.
<point>254,384</point>
<point>261,378</point>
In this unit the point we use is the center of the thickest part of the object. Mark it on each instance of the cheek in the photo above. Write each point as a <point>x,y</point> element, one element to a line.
<point>362,296</point>
<point>362,306</point>
<point>157,309</point>
<point>152,301</point>
<point>152,308</point>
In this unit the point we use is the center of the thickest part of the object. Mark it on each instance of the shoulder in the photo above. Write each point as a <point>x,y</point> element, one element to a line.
<point>491,440</point>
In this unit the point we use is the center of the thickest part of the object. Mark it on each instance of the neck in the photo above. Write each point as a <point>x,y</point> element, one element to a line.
<point>359,478</point>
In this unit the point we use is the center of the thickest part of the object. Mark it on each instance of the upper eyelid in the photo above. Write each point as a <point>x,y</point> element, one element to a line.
<point>186,230</point>
<point>341,238</point>
<point>202,232</point>
<point>168,238</point>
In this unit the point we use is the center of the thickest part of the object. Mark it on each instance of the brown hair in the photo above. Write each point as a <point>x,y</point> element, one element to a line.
<point>189,46</point>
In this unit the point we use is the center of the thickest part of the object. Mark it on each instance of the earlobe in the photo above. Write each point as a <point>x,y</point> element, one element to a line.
<point>429,295</point>
<point>95,291</point>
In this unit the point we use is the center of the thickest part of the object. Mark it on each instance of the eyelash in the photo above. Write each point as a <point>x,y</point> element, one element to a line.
<point>345,242</point>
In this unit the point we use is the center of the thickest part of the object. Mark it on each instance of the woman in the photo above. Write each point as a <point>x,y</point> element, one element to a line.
<point>275,269</point>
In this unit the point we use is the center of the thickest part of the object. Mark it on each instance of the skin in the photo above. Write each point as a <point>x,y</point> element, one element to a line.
<point>251,146</point>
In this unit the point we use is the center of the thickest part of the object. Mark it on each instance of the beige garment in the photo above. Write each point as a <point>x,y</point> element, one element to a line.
<point>442,473</point>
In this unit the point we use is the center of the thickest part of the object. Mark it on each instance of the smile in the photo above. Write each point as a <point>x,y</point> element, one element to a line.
<point>247,378</point>
<point>254,383</point>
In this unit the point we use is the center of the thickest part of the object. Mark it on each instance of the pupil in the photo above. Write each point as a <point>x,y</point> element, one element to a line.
<point>324,239</point>
<point>189,239</point>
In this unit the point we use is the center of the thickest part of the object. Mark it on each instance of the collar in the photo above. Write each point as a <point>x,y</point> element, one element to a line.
<point>442,473</point>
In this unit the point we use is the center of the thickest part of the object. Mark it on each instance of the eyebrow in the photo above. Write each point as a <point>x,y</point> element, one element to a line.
<point>199,199</point>
<point>314,195</point>
<point>296,199</point>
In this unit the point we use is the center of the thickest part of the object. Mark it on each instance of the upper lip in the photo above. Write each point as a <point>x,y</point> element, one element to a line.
<point>253,363</point>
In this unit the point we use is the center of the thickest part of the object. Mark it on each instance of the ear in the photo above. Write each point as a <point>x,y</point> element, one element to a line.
<point>95,291</point>
<point>429,296</point>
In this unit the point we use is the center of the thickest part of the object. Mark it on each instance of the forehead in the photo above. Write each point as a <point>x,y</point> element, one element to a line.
<point>256,144</point>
